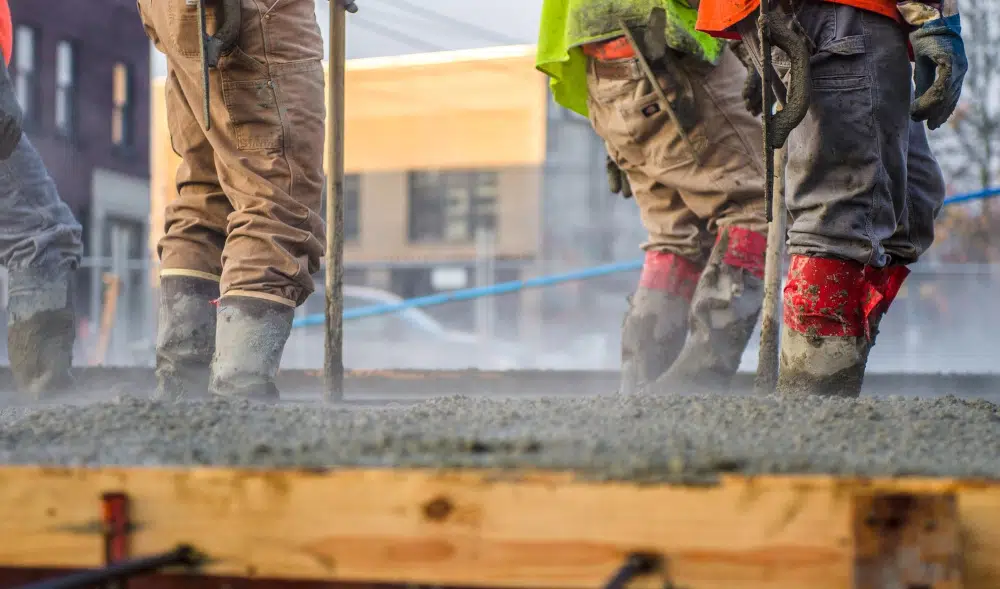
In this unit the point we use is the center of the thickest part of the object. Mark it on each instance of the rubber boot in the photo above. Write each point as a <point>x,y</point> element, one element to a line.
<point>724,313</point>
<point>185,339</point>
<point>249,340</point>
<point>655,325</point>
<point>824,345</point>
<point>882,285</point>
<point>41,330</point>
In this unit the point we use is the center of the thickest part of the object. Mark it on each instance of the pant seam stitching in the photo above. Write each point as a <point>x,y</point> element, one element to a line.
<point>881,175</point>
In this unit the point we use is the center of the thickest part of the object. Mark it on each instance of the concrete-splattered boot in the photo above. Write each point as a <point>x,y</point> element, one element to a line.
<point>724,312</point>
<point>882,286</point>
<point>824,345</point>
<point>185,339</point>
<point>249,340</point>
<point>41,330</point>
<point>655,325</point>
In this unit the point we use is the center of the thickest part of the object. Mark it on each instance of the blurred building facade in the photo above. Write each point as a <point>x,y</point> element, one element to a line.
<point>81,70</point>
<point>461,171</point>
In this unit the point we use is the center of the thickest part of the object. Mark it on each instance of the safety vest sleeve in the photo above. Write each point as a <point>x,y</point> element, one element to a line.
<point>566,25</point>
<point>6,31</point>
<point>566,66</point>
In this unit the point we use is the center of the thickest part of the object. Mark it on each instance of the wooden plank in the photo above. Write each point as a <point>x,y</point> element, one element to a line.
<point>473,528</point>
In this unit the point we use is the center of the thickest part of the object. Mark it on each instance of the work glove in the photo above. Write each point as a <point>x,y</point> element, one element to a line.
<point>753,89</point>
<point>939,69</point>
<point>617,180</point>
<point>10,114</point>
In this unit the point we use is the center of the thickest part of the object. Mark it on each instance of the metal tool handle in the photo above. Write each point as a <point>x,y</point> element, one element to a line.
<point>229,19</point>
<point>796,102</point>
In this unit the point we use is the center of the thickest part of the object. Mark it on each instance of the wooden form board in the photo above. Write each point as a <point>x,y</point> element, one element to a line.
<point>492,529</point>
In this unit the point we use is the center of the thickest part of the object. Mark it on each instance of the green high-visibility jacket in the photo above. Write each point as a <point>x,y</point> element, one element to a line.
<point>568,24</point>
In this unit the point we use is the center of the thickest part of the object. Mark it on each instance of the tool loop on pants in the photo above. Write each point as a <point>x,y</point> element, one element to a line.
<point>745,249</point>
<point>671,273</point>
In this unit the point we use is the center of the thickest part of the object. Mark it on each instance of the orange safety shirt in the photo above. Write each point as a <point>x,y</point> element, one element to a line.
<point>716,17</point>
<point>6,31</point>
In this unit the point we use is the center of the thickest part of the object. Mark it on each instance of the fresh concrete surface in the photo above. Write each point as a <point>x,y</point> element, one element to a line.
<point>646,438</point>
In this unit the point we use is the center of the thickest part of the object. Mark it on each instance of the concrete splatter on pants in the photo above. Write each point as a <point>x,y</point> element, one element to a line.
<point>250,187</point>
<point>40,245</point>
<point>863,190</point>
<point>687,202</point>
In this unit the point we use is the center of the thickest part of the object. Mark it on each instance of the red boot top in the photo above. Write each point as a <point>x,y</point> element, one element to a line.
<point>827,297</point>
<point>671,273</point>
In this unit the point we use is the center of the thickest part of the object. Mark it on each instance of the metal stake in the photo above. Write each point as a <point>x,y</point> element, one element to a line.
<point>333,366</point>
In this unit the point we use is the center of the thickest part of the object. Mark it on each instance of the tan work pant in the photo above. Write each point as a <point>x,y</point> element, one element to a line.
<point>250,187</point>
<point>683,203</point>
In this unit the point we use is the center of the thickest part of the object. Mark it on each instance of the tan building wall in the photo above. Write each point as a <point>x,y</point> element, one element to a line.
<point>464,110</point>
<point>384,220</point>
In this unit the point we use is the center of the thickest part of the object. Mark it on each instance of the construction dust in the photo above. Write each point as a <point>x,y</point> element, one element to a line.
<point>640,438</point>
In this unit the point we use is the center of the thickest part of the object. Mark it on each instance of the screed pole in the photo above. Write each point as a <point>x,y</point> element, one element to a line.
<point>333,365</point>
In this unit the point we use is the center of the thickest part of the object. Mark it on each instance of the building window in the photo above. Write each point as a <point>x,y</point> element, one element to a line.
<point>26,71</point>
<point>352,206</point>
<point>451,206</point>
<point>66,88</point>
<point>121,108</point>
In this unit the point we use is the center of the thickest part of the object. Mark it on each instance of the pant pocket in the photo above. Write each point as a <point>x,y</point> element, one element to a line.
<point>183,35</point>
<point>251,102</point>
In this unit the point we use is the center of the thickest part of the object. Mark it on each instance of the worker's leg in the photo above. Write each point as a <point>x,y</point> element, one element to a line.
<point>190,256</point>
<point>925,192</point>
<point>846,187</point>
<point>267,134</point>
<point>655,324</point>
<point>727,190</point>
<point>40,245</point>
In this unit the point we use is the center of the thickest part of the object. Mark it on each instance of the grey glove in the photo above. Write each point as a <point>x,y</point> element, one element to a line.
<point>617,180</point>
<point>10,114</point>
<point>753,89</point>
<point>939,70</point>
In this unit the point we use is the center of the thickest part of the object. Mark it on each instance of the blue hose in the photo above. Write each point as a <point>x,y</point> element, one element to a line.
<point>467,294</point>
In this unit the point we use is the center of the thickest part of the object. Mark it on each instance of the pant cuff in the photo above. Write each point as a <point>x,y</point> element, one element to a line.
<point>745,249</point>
<point>190,274</point>
<point>670,273</point>
<point>260,295</point>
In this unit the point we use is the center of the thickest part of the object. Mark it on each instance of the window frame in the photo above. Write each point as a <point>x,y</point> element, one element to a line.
<point>450,206</point>
<point>352,206</point>
<point>67,92</point>
<point>27,82</point>
<point>122,114</point>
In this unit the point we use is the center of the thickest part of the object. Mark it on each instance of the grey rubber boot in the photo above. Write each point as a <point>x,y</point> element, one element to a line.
<point>724,313</point>
<point>41,330</point>
<point>824,339</point>
<point>249,340</point>
<point>653,334</point>
<point>831,366</point>
<point>185,339</point>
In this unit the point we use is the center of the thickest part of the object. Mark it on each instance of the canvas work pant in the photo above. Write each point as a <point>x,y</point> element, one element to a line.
<point>683,201</point>
<point>702,204</point>
<point>862,183</point>
<point>250,187</point>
